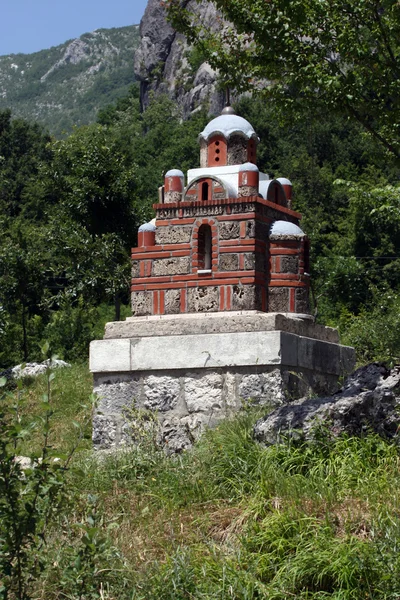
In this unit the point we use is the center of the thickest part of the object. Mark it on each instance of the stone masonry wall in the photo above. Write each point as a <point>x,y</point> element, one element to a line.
<point>185,403</point>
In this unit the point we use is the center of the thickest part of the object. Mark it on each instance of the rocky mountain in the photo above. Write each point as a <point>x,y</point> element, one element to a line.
<point>66,85</point>
<point>166,63</point>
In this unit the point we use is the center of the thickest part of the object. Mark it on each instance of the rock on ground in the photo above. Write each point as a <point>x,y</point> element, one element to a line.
<point>35,369</point>
<point>369,401</point>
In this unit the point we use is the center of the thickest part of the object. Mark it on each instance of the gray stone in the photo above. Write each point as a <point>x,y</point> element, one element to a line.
<point>278,299</point>
<point>237,150</point>
<point>172,302</point>
<point>203,153</point>
<point>289,264</point>
<point>251,229</point>
<point>106,431</point>
<point>170,197</point>
<point>203,299</point>
<point>173,235</point>
<point>246,190</point>
<point>171,266</point>
<point>203,392</point>
<point>228,262</point>
<point>302,300</point>
<point>368,401</point>
<point>142,303</point>
<point>135,272</point>
<point>255,261</point>
<point>34,369</point>
<point>246,297</point>
<point>116,396</point>
<point>108,356</point>
<point>161,63</point>
<point>175,436</point>
<point>161,392</point>
<point>263,388</point>
<point>220,322</point>
<point>229,230</point>
<point>230,392</point>
<point>193,351</point>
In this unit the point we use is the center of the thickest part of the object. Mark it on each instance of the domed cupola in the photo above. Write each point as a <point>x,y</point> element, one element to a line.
<point>228,140</point>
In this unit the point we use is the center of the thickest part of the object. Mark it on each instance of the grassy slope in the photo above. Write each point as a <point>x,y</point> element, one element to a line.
<point>230,519</point>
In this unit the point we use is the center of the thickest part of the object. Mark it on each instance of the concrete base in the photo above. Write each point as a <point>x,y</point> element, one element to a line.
<point>194,370</point>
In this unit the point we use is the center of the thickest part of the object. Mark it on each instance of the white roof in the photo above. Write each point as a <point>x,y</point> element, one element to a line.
<point>151,226</point>
<point>248,167</point>
<point>285,228</point>
<point>227,125</point>
<point>174,173</point>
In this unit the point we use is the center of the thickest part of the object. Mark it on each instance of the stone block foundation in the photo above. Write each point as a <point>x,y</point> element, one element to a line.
<point>191,371</point>
<point>185,403</point>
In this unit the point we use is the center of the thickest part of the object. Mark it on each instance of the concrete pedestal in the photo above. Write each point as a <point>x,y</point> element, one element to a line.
<point>194,370</point>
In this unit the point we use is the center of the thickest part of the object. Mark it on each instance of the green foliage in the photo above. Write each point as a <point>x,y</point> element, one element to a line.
<point>88,567</point>
<point>229,519</point>
<point>31,496</point>
<point>374,331</point>
<point>341,57</point>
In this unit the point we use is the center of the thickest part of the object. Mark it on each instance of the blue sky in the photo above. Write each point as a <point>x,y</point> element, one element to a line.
<point>30,25</point>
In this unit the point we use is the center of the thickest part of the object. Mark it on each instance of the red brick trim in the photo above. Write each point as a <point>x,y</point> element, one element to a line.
<point>283,252</point>
<point>228,297</point>
<point>162,302</point>
<point>292,302</point>
<point>248,216</point>
<point>222,298</point>
<point>286,283</point>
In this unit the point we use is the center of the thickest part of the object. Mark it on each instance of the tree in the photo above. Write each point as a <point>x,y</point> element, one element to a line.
<point>334,55</point>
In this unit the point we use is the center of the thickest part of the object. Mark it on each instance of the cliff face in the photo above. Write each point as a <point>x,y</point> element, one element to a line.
<point>166,64</point>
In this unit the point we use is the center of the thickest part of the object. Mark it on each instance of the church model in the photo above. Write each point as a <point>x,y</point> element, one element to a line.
<point>220,301</point>
<point>227,241</point>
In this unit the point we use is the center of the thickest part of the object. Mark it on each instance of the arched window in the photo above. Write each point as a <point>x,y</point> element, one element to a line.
<point>204,191</point>
<point>205,247</point>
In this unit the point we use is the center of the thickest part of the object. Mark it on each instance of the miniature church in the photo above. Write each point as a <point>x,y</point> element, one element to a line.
<point>220,302</point>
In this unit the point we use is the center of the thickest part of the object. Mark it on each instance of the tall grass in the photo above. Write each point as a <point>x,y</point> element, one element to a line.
<point>229,519</point>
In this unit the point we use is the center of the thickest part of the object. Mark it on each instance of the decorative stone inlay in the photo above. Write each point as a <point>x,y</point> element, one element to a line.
<point>171,266</point>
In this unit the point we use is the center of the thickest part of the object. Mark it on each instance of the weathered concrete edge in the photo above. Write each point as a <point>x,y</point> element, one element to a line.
<point>204,351</point>
<point>231,322</point>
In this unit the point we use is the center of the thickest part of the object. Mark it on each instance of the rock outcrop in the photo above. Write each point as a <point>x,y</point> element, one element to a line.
<point>367,402</point>
<point>166,64</point>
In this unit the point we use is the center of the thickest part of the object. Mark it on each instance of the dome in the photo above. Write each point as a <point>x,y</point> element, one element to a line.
<point>248,167</point>
<point>151,226</point>
<point>284,181</point>
<point>286,228</point>
<point>227,125</point>
<point>174,173</point>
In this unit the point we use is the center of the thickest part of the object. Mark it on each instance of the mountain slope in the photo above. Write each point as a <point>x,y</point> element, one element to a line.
<point>66,85</point>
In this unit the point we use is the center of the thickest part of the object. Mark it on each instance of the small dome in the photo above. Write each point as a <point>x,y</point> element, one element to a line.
<point>284,181</point>
<point>227,125</point>
<point>286,228</point>
<point>151,226</point>
<point>174,173</point>
<point>228,110</point>
<point>248,167</point>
